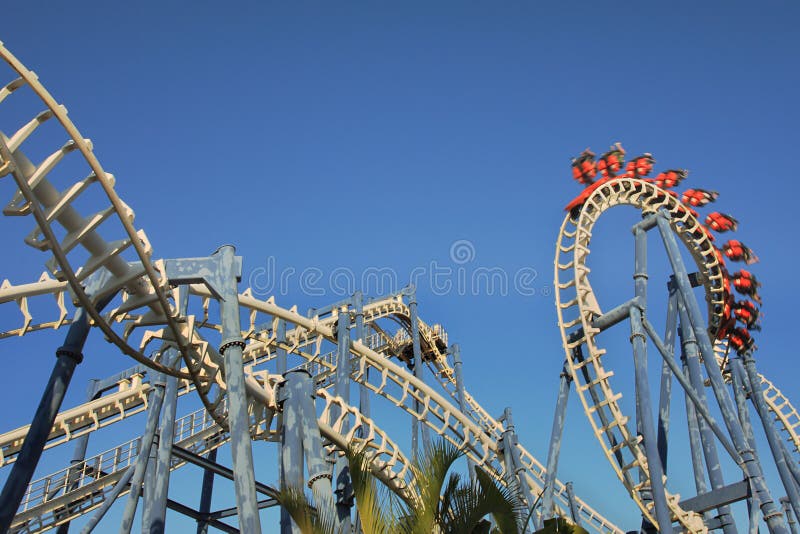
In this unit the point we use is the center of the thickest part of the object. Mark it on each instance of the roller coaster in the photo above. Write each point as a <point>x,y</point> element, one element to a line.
<point>283,377</point>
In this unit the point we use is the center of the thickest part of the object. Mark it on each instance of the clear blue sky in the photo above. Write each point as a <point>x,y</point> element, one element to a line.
<point>375,135</point>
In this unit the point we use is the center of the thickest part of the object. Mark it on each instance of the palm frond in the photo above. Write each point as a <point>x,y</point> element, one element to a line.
<point>309,518</point>
<point>375,506</point>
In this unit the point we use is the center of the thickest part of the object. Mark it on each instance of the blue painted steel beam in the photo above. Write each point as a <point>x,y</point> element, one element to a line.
<point>574,511</point>
<point>361,334</point>
<point>206,492</point>
<point>79,453</point>
<point>790,518</point>
<point>227,275</point>
<point>145,445</point>
<point>419,373</point>
<point>738,491</point>
<point>715,475</point>
<point>69,355</point>
<point>750,463</point>
<point>301,440</point>
<point>665,396</point>
<point>556,435</point>
<point>154,520</point>
<point>344,488</point>
<point>645,412</point>
<point>640,291</point>
<point>699,405</point>
<point>455,349</point>
<point>767,422</point>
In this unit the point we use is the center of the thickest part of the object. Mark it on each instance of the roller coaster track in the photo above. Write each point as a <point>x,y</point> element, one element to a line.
<point>578,307</point>
<point>146,300</point>
<point>84,268</point>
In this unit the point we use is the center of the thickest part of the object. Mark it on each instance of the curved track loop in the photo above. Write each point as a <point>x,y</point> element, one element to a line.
<point>105,270</point>
<point>577,308</point>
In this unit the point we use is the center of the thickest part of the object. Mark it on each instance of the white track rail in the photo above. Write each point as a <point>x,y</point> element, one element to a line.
<point>577,308</point>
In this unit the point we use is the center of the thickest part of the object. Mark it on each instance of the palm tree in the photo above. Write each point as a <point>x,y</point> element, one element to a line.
<point>435,503</point>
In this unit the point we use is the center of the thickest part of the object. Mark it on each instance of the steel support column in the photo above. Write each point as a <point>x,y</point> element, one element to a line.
<point>554,449</point>
<point>645,413</point>
<point>740,391</point>
<point>286,525</point>
<point>790,518</point>
<point>79,453</point>
<point>238,417</point>
<point>419,372</point>
<point>361,335</point>
<point>301,435</point>
<point>344,488</point>
<point>145,445</point>
<point>206,493</point>
<point>109,501</point>
<point>154,516</point>
<point>715,476</point>
<point>750,463</point>
<point>511,463</point>
<point>767,420</point>
<point>69,355</point>
<point>573,505</point>
<point>461,394</point>
<point>665,396</point>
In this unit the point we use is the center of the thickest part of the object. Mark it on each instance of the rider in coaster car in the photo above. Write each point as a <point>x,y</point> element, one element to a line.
<point>745,283</point>
<point>728,320</point>
<point>737,251</point>
<point>583,167</point>
<point>741,340</point>
<point>671,178</point>
<point>701,231</point>
<point>612,161</point>
<point>747,312</point>
<point>640,166</point>
<point>698,197</point>
<point>721,222</point>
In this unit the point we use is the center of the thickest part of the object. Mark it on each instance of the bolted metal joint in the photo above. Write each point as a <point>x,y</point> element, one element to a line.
<point>70,352</point>
<point>639,335</point>
<point>319,476</point>
<point>234,343</point>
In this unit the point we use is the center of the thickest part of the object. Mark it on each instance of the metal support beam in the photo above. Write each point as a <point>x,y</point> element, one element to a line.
<point>554,449</point>
<point>213,467</point>
<point>767,422</point>
<point>361,334</point>
<point>640,291</point>
<point>79,453</point>
<point>301,435</point>
<point>715,476</point>
<point>750,463</point>
<point>154,518</point>
<point>738,491</point>
<point>344,488</point>
<point>280,363</point>
<point>790,517</point>
<point>515,481</point>
<point>419,368</point>
<point>461,394</point>
<point>206,492</point>
<point>700,406</point>
<point>145,445</point>
<point>238,418</point>
<point>645,412</point>
<point>665,396</point>
<point>574,510</point>
<point>69,355</point>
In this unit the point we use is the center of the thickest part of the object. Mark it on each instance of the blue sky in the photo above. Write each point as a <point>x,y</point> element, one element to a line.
<point>350,137</point>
